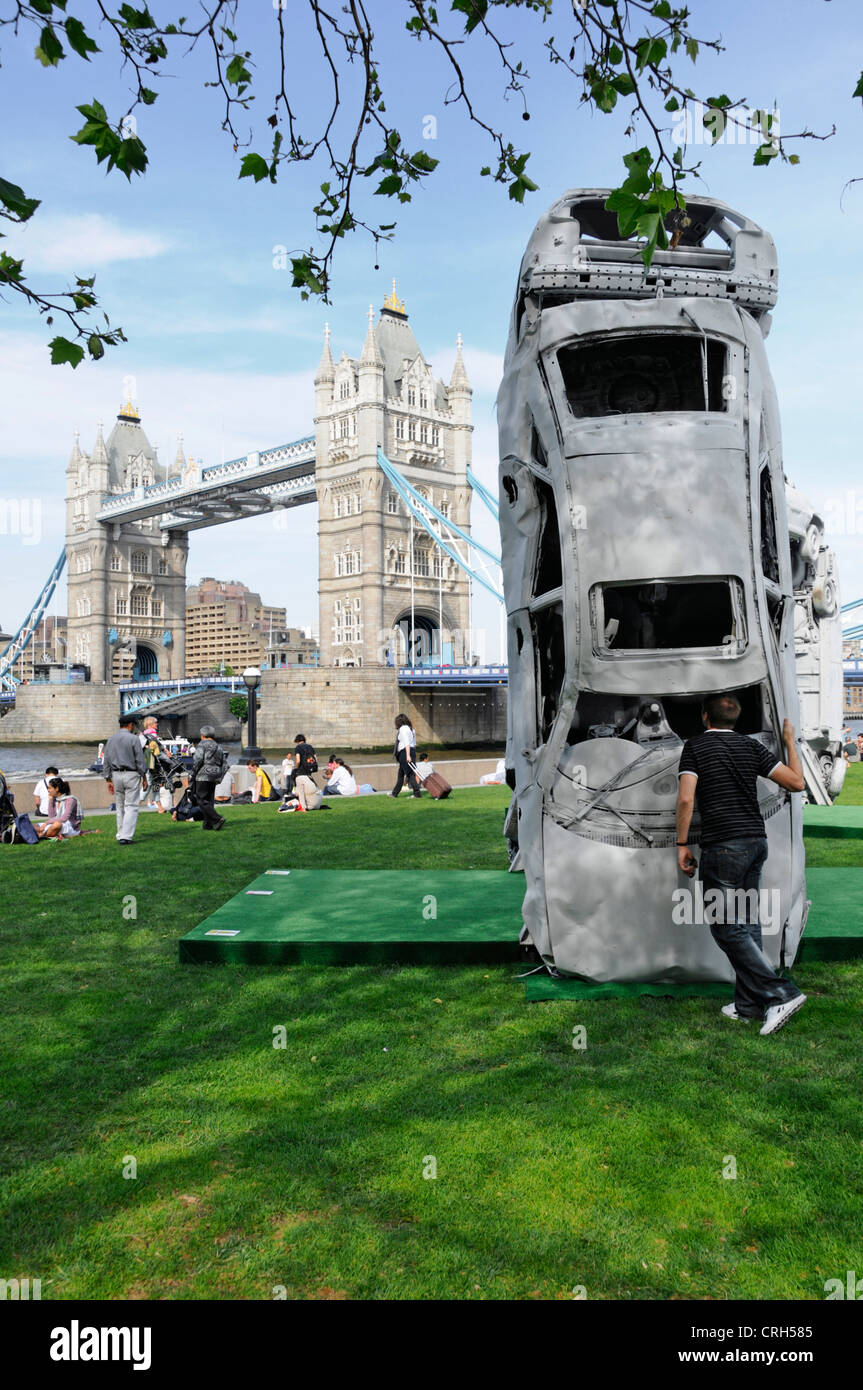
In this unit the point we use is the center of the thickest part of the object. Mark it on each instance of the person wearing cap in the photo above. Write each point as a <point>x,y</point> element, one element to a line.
<point>209,766</point>
<point>124,770</point>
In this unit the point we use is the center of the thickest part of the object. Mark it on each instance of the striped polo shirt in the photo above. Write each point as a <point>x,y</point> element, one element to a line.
<point>727,765</point>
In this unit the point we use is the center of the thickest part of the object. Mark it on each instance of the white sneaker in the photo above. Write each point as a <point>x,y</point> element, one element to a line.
<point>779,1014</point>
<point>730,1011</point>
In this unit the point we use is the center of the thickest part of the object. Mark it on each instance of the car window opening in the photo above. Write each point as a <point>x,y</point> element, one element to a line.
<point>644,373</point>
<point>662,616</point>
<point>548,644</point>
<point>548,571</point>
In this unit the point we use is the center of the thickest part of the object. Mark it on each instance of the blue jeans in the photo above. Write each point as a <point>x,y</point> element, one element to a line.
<point>733,865</point>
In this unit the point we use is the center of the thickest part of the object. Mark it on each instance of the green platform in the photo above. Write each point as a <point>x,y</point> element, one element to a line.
<point>841,822</point>
<point>333,917</point>
<point>368,916</point>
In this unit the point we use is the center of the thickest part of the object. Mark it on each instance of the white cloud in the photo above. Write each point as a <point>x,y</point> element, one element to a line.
<point>484,369</point>
<point>77,244</point>
<point>216,411</point>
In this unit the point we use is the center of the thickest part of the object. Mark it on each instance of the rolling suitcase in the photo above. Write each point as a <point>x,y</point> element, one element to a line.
<point>436,786</point>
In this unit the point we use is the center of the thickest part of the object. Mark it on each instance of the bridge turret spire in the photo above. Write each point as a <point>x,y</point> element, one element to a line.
<point>371,353</point>
<point>100,453</point>
<point>76,456</point>
<point>326,366</point>
<point>459,379</point>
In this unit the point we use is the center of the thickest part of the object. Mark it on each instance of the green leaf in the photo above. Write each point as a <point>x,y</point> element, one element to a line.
<point>137,19</point>
<point>50,50</point>
<point>79,39</point>
<point>638,163</point>
<point>475,11</point>
<point>672,104</point>
<point>148,96</point>
<point>16,201</point>
<point>692,48</point>
<point>237,73</point>
<point>520,186</point>
<point>661,10</point>
<point>628,208</point>
<point>615,55</point>
<point>95,346</point>
<point>422,160</point>
<point>604,96</point>
<point>254,166</point>
<point>64,351</point>
<point>794,159</point>
<point>390,185</point>
<point>765,153</point>
<point>858,90</point>
<point>623,84</point>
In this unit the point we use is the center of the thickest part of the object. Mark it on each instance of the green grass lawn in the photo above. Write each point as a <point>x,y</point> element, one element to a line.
<point>303,1167</point>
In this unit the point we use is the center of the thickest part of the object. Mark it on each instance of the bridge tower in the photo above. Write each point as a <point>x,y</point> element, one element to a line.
<point>127,580</point>
<point>370,602</point>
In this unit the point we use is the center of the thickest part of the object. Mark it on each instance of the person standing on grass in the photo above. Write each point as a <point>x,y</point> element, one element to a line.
<point>721,768</point>
<point>124,770</point>
<point>405,753</point>
<point>209,766</point>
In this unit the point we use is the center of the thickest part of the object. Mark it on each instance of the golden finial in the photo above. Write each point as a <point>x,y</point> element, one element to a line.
<point>130,410</point>
<point>392,302</point>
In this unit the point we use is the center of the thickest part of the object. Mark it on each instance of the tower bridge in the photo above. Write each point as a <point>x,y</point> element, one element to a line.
<point>388,465</point>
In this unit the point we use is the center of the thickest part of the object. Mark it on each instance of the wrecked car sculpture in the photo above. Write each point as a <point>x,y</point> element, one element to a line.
<point>646,563</point>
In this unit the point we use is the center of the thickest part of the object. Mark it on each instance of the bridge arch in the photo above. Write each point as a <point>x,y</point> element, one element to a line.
<point>146,666</point>
<point>425,647</point>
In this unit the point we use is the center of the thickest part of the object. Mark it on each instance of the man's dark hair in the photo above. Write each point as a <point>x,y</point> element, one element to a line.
<point>127,719</point>
<point>55,770</point>
<point>723,711</point>
<point>299,738</point>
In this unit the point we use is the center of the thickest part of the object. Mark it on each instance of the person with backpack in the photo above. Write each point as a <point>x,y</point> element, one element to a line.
<point>305,760</point>
<point>209,766</point>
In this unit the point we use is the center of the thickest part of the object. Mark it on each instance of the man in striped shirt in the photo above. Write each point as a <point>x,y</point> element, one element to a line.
<point>721,768</point>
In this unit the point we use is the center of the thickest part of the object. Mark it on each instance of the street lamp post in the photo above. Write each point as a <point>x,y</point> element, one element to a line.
<point>252,679</point>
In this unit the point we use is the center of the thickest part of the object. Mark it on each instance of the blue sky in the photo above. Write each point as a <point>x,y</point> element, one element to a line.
<point>222,349</point>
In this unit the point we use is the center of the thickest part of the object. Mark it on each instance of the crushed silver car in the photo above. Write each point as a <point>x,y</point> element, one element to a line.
<point>647,563</point>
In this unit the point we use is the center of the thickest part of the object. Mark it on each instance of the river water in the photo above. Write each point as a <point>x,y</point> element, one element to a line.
<point>26,759</point>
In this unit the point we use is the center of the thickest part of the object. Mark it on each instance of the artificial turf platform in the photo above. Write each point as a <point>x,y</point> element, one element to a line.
<point>841,822</point>
<point>364,917</point>
<point>452,916</point>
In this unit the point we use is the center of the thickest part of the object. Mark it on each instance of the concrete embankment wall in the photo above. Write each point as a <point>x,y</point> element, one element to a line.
<point>357,708</point>
<point>343,708</point>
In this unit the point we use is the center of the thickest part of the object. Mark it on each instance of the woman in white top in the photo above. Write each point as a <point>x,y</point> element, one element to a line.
<point>405,755</point>
<point>341,780</point>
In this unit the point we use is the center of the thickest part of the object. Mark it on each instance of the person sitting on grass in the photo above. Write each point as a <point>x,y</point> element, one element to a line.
<point>64,813</point>
<point>42,792</point>
<point>341,780</point>
<point>263,788</point>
